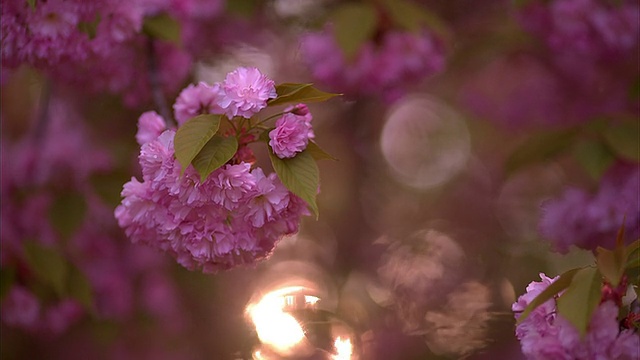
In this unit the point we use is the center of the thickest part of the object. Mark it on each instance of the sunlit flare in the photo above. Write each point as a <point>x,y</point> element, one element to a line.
<point>275,327</point>
<point>344,349</point>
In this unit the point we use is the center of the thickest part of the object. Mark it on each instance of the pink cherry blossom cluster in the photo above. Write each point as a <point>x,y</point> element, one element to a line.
<point>380,68</point>
<point>546,335</point>
<point>237,214</point>
<point>292,132</point>
<point>591,220</point>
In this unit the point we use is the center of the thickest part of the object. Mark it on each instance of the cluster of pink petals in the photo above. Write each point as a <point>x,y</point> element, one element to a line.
<point>197,99</point>
<point>234,217</point>
<point>591,220</point>
<point>22,309</point>
<point>292,132</point>
<point>244,92</point>
<point>387,68</point>
<point>546,335</point>
<point>588,28</point>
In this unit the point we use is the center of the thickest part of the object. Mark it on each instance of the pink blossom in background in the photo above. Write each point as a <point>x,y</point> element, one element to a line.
<point>546,335</point>
<point>291,135</point>
<point>246,91</point>
<point>591,220</point>
<point>198,99</point>
<point>234,217</point>
<point>407,58</point>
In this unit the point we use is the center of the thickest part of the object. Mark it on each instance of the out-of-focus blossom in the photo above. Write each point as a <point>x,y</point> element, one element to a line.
<point>591,220</point>
<point>246,91</point>
<point>385,68</point>
<point>462,326</point>
<point>546,335</point>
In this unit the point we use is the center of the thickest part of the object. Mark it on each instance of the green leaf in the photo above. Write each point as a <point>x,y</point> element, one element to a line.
<point>552,290</point>
<point>90,27</point>
<point>193,135</point>
<point>539,148</point>
<point>354,24</point>
<point>624,139</point>
<point>48,266</point>
<point>317,153</point>
<point>78,287</point>
<point>7,278</point>
<point>244,8</point>
<point>163,27</point>
<point>611,265</point>
<point>299,93</point>
<point>32,4</point>
<point>215,153</point>
<point>632,253</point>
<point>300,175</point>
<point>67,213</point>
<point>582,297</point>
<point>594,156</point>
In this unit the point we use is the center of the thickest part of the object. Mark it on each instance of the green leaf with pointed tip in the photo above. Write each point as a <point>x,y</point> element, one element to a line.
<point>48,265</point>
<point>317,153</point>
<point>7,278</point>
<point>300,175</point>
<point>354,24</point>
<point>67,213</point>
<point>299,93</point>
<point>552,290</point>
<point>623,139</point>
<point>632,253</point>
<point>539,148</point>
<point>610,264</point>
<point>288,89</point>
<point>578,303</point>
<point>163,27</point>
<point>215,153</point>
<point>78,287</point>
<point>593,156</point>
<point>193,135</point>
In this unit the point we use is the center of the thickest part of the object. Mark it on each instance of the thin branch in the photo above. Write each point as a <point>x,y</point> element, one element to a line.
<point>42,120</point>
<point>156,84</point>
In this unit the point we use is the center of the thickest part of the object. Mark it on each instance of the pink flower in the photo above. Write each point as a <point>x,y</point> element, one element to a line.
<point>20,308</point>
<point>246,91</point>
<point>546,335</point>
<point>197,99</point>
<point>291,135</point>
<point>150,126</point>
<point>591,220</point>
<point>235,217</point>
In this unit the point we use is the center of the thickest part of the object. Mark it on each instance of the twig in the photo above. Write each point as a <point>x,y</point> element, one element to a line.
<point>156,84</point>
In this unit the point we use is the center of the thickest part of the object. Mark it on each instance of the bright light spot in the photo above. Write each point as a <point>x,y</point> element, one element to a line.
<point>310,299</point>
<point>344,349</point>
<point>275,327</point>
